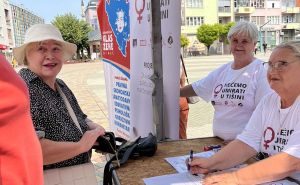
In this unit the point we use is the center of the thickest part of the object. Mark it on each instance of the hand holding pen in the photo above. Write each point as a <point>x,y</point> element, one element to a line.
<point>190,159</point>
<point>197,165</point>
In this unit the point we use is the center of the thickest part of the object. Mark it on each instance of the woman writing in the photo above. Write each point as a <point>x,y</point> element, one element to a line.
<point>235,88</point>
<point>273,130</point>
<point>63,143</point>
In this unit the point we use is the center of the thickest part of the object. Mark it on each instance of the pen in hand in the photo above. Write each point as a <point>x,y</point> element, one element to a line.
<point>190,159</point>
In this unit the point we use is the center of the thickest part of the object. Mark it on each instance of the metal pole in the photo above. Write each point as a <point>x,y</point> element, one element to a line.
<point>260,36</point>
<point>260,40</point>
<point>157,77</point>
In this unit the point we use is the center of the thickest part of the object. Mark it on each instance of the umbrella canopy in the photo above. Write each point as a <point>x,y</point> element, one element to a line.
<point>3,47</point>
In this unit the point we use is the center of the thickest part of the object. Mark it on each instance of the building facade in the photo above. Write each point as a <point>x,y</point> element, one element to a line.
<point>22,19</point>
<point>194,13</point>
<point>89,13</point>
<point>6,29</point>
<point>276,20</point>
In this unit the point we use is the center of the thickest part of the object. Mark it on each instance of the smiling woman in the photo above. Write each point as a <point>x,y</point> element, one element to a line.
<point>273,130</point>
<point>66,134</point>
<point>235,88</point>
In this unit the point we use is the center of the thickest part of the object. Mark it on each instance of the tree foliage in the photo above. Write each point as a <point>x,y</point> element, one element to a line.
<point>223,30</point>
<point>207,34</point>
<point>184,41</point>
<point>73,30</point>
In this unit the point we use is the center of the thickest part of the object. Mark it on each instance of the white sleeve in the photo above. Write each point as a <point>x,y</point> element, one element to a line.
<point>253,132</point>
<point>204,87</point>
<point>293,145</point>
<point>262,87</point>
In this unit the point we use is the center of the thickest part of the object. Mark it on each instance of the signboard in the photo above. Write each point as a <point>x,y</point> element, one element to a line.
<point>113,16</point>
<point>126,30</point>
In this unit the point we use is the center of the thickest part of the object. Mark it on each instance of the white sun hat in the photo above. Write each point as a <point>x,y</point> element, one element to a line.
<point>42,32</point>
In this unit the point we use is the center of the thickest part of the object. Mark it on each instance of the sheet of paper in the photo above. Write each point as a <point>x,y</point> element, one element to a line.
<point>282,182</point>
<point>179,162</point>
<point>174,179</point>
<point>188,179</point>
<point>183,177</point>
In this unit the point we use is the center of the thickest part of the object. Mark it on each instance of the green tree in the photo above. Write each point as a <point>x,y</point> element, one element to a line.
<point>184,41</point>
<point>223,31</point>
<point>73,30</point>
<point>207,34</point>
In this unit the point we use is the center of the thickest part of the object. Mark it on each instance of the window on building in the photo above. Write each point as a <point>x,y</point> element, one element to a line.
<point>288,19</point>
<point>288,3</point>
<point>273,19</point>
<point>224,8</point>
<point>194,21</point>
<point>257,3</point>
<point>194,3</point>
<point>242,18</point>
<point>242,3</point>
<point>258,20</point>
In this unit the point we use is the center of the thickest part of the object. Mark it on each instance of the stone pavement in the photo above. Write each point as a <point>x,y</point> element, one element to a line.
<point>87,82</point>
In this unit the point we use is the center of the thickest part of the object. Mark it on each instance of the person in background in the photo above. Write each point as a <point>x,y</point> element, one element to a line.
<point>63,143</point>
<point>14,63</point>
<point>255,50</point>
<point>183,106</point>
<point>20,151</point>
<point>265,45</point>
<point>234,89</point>
<point>273,130</point>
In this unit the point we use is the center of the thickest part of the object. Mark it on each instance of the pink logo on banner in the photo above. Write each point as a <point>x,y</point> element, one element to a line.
<point>139,11</point>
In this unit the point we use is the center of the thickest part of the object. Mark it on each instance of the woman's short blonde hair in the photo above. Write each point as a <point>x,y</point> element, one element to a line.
<point>246,28</point>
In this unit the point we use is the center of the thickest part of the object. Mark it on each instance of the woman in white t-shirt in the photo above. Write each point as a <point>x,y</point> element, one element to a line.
<point>273,130</point>
<point>235,88</point>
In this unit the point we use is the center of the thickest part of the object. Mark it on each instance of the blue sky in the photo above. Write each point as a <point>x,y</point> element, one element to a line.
<point>49,9</point>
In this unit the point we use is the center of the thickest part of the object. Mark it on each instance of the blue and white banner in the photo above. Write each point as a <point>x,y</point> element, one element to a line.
<point>126,30</point>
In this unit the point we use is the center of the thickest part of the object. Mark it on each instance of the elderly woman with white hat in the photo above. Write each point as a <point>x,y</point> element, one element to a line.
<point>66,134</point>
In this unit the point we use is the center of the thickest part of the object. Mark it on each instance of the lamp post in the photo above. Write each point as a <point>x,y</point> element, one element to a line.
<point>260,36</point>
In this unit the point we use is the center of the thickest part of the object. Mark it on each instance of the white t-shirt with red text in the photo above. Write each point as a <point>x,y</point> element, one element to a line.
<point>234,95</point>
<point>272,130</point>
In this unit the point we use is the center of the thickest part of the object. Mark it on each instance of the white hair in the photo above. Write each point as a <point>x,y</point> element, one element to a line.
<point>292,45</point>
<point>247,28</point>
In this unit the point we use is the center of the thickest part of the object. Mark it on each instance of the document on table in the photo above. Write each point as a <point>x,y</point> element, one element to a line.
<point>183,177</point>
<point>174,179</point>
<point>179,162</point>
<point>188,179</point>
<point>282,182</point>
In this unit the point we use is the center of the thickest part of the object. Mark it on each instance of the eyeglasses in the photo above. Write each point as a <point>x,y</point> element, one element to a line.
<point>279,66</point>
